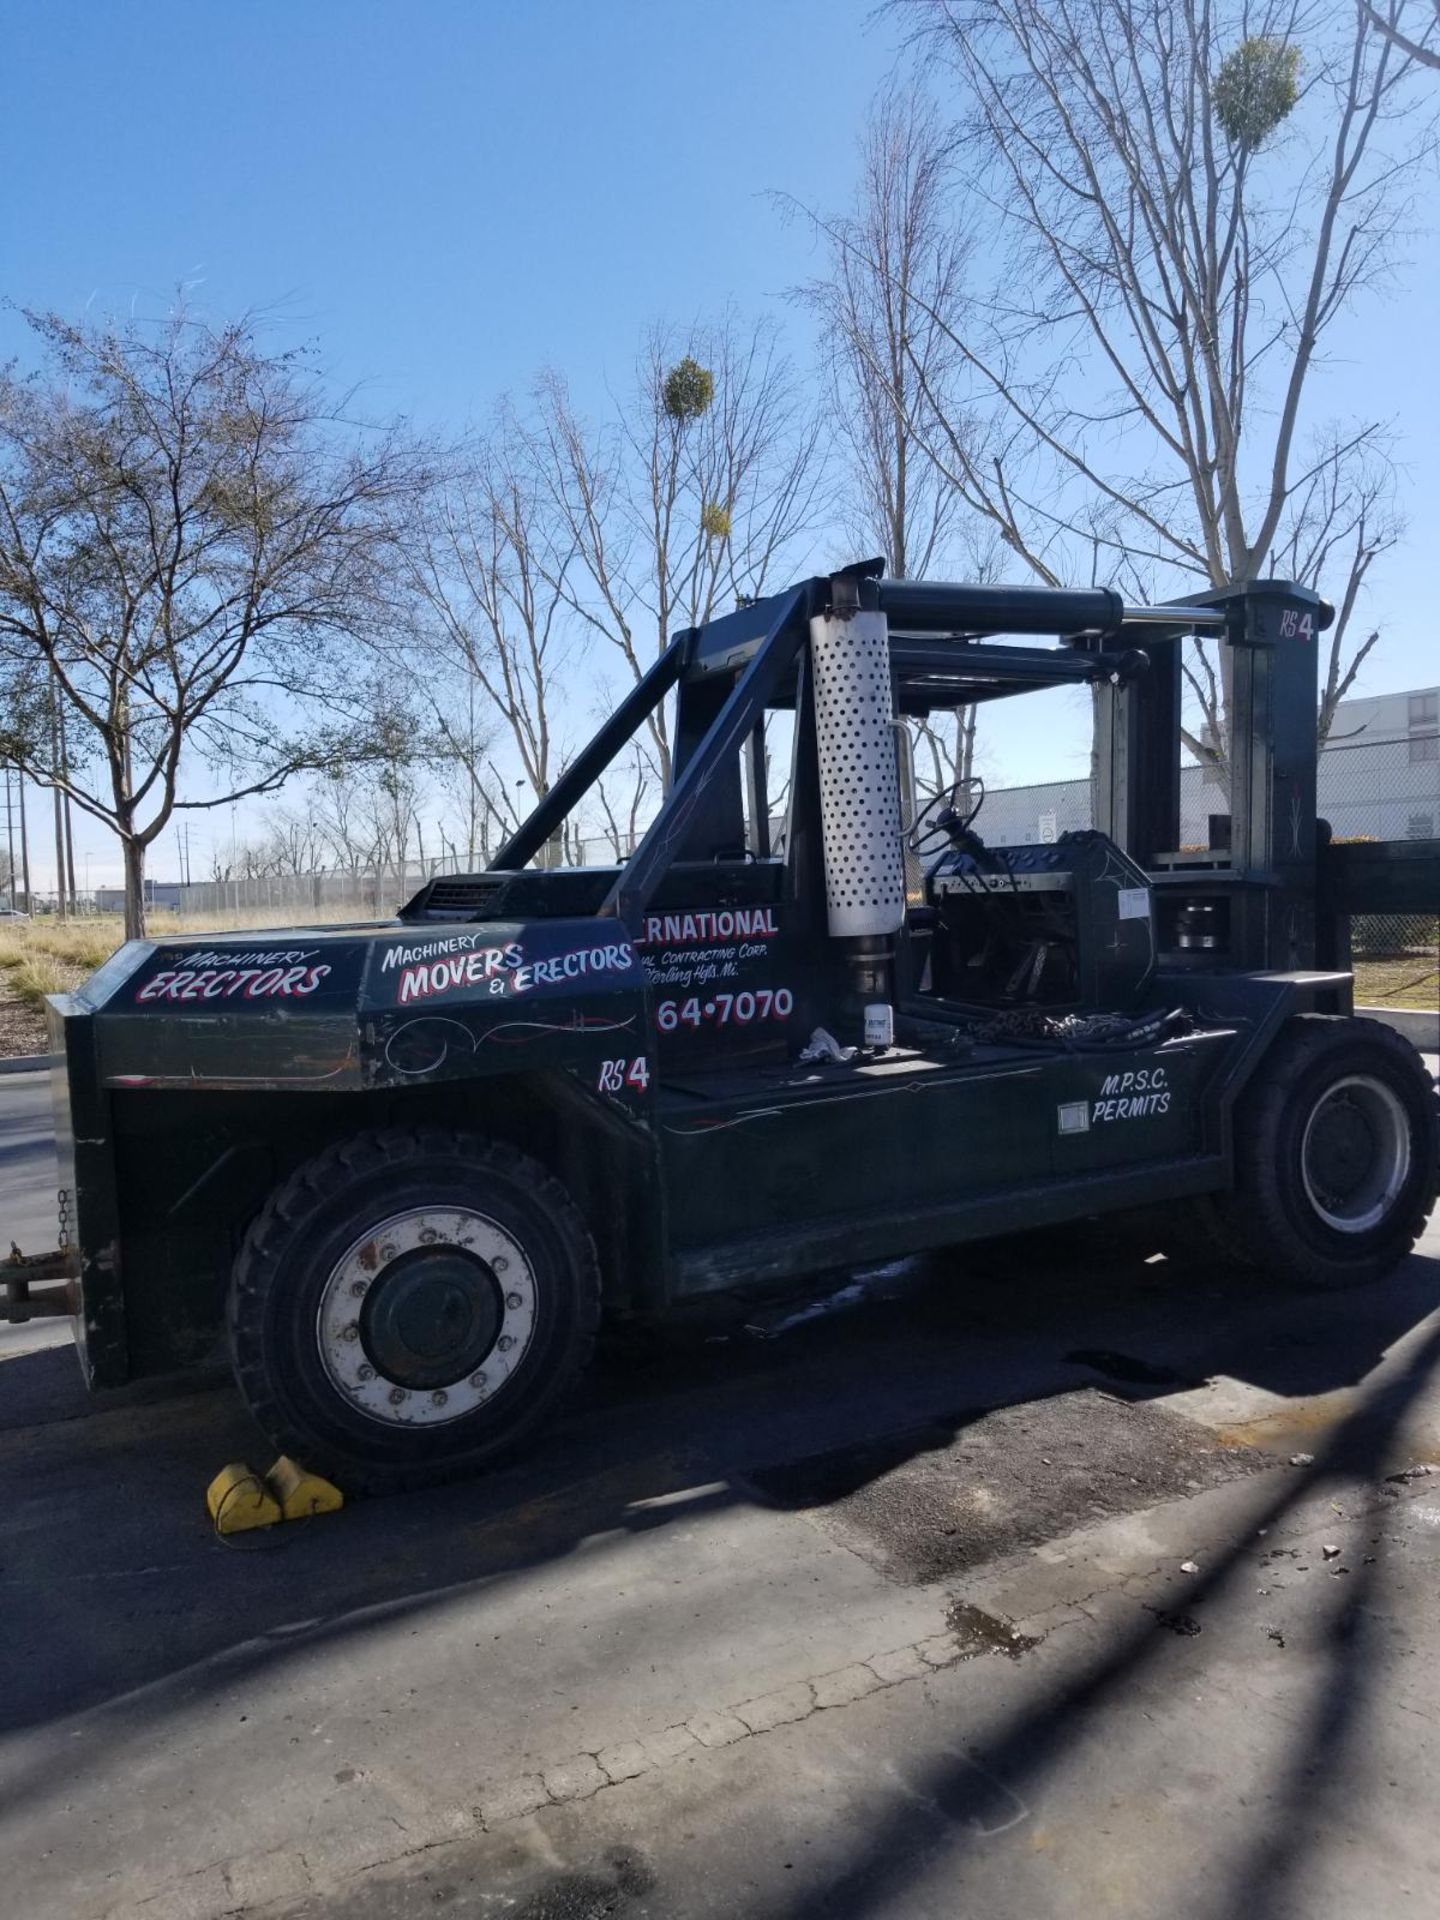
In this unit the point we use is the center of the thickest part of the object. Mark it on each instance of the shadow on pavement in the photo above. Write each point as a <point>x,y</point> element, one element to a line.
<point>949,1798</point>
<point>117,1592</point>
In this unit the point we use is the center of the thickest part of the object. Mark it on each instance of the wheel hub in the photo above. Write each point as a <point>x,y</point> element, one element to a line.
<point>427,1316</point>
<point>1355,1153</point>
<point>431,1317</point>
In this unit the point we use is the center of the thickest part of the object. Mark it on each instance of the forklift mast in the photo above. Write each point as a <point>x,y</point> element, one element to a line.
<point>1249,897</point>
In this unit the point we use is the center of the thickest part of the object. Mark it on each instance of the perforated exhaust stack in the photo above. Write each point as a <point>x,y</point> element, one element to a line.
<point>859,787</point>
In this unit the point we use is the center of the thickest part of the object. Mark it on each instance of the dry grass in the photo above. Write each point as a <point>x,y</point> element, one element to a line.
<point>32,971</point>
<point>48,957</point>
<point>1413,981</point>
<point>77,943</point>
<point>39,974</point>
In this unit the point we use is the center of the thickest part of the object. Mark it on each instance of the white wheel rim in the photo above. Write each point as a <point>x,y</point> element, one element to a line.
<point>353,1370</point>
<point>1379,1110</point>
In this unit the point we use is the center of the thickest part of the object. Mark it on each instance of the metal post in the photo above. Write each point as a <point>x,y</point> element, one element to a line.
<point>24,841</point>
<point>10,829</point>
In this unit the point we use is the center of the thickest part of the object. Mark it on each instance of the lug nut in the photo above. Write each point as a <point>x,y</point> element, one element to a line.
<point>438,1398</point>
<point>477,1379</point>
<point>512,1300</point>
<point>505,1342</point>
<point>358,1287</point>
<point>499,1263</point>
<point>365,1371</point>
<point>352,1332</point>
<point>397,1396</point>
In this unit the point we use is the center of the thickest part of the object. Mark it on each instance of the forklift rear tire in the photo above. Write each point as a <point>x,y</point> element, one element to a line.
<point>1335,1155</point>
<point>410,1306</point>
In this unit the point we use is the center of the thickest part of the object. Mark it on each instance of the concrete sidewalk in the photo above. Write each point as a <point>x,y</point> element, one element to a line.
<point>1266,1748</point>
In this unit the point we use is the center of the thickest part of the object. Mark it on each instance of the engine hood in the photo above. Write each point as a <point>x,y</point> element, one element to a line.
<point>336,1007</point>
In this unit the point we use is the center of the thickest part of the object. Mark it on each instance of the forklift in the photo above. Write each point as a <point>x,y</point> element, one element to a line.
<point>401,1170</point>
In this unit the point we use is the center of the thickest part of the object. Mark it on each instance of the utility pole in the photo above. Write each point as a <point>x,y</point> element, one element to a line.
<point>24,842</point>
<point>10,829</point>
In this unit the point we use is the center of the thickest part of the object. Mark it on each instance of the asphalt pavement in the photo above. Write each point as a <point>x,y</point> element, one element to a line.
<point>1055,1578</point>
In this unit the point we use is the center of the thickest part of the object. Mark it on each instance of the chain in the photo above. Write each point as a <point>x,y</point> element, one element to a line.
<point>63,1196</point>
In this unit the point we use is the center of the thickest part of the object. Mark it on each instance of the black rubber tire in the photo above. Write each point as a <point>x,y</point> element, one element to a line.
<point>1268,1220</point>
<point>291,1248</point>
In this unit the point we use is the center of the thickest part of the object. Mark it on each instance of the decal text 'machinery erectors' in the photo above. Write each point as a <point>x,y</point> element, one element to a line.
<point>225,983</point>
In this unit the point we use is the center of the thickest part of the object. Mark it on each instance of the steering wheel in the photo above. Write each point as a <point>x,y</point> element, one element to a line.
<point>940,822</point>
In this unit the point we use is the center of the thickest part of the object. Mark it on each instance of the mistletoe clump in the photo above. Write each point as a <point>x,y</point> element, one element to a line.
<point>689,389</point>
<point>1257,86</point>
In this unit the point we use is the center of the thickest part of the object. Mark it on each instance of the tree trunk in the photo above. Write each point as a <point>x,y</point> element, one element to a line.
<point>59,856</point>
<point>134,851</point>
<point>965,718</point>
<point>65,812</point>
<point>70,853</point>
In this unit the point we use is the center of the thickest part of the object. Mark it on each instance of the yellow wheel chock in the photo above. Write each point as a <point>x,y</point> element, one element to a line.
<point>238,1498</point>
<point>300,1493</point>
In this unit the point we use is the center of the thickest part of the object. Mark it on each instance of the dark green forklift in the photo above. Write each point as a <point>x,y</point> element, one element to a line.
<point>403,1169</point>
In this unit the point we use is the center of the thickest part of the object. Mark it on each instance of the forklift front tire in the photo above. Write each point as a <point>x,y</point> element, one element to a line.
<point>411,1305</point>
<point>1335,1155</point>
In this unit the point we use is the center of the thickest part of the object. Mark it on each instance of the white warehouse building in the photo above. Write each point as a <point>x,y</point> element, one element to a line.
<point>1378,779</point>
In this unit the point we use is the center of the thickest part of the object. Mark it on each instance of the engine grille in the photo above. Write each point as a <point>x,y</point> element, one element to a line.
<point>461,896</point>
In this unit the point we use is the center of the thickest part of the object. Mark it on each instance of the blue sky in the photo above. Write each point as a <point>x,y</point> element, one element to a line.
<point>443,196</point>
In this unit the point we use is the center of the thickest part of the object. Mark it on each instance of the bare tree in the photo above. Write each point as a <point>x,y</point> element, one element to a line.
<point>691,498</point>
<point>1182,198</point>
<point>622,798</point>
<point>394,794</point>
<point>1386,21</point>
<point>464,766</point>
<point>336,801</point>
<point>886,307</point>
<point>490,567</point>
<point>294,843</point>
<point>364,820</point>
<point>186,533</point>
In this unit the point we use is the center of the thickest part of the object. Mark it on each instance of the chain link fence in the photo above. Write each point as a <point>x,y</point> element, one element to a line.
<point>337,894</point>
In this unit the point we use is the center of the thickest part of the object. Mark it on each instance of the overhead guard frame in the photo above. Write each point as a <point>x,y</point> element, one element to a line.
<point>937,633</point>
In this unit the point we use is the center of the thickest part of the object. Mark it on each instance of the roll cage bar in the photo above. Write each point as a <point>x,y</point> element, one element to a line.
<point>940,647</point>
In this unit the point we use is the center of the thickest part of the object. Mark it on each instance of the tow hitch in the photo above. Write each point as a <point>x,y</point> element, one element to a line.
<point>38,1284</point>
